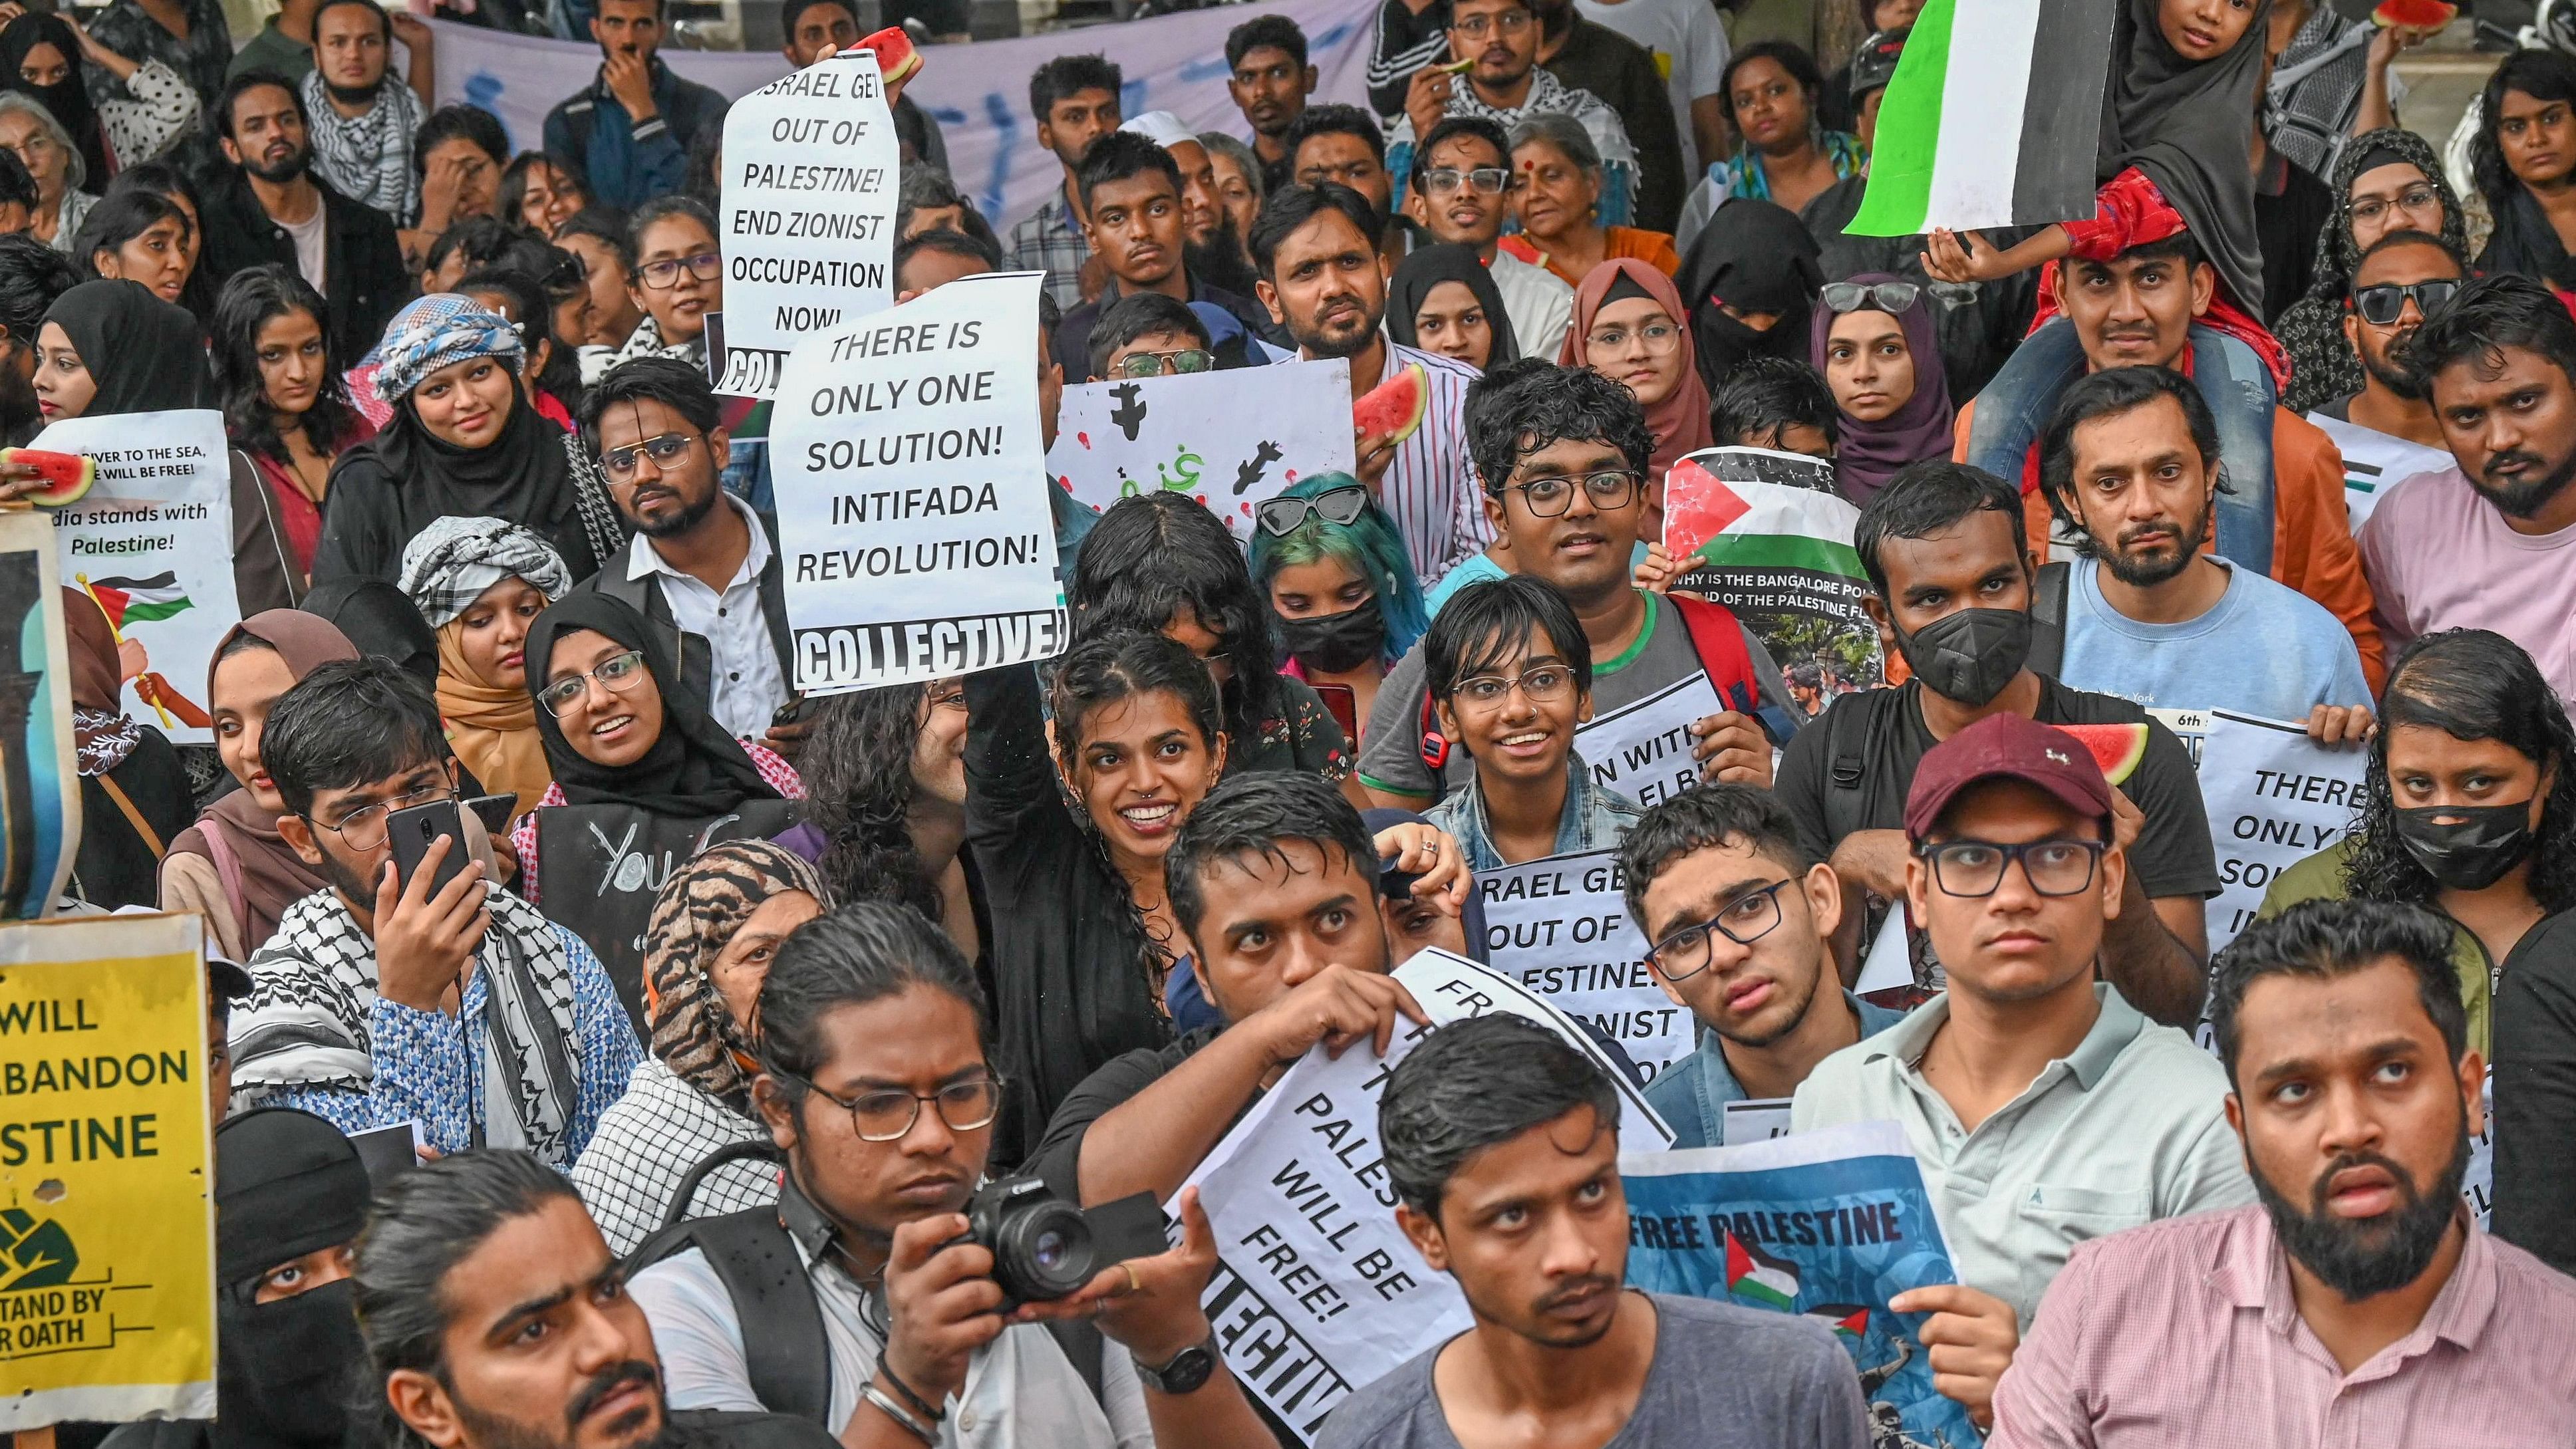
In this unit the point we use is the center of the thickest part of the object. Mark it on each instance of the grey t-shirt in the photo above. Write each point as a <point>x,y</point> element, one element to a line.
<point>1391,757</point>
<point>1785,1384</point>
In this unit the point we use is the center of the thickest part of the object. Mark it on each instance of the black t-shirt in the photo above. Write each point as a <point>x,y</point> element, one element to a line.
<point>1058,1157</point>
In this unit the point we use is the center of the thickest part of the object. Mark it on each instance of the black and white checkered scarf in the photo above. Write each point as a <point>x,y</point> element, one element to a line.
<point>367,158</point>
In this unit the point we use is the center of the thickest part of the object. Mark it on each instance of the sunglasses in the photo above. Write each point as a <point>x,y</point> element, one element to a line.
<point>2385,303</point>
<point>1283,516</point>
<point>1889,297</point>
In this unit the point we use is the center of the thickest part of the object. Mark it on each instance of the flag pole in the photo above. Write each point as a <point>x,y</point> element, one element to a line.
<point>119,636</point>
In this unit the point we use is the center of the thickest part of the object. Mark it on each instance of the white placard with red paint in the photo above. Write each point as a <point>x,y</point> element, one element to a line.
<point>1233,440</point>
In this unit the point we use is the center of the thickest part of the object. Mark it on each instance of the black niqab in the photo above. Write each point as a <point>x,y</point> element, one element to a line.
<point>287,1183</point>
<point>2189,125</point>
<point>695,769</point>
<point>66,100</point>
<point>1754,256</point>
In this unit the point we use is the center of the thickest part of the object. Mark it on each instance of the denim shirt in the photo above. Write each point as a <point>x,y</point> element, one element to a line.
<point>1691,1095</point>
<point>1594,818</point>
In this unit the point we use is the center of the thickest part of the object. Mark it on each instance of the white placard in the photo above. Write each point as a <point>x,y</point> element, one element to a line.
<point>1754,1119</point>
<point>1560,927</point>
<point>1231,439</point>
<point>2275,797</point>
<point>2374,463</point>
<point>152,541</point>
<point>807,218</point>
<point>1317,1293</point>
<point>1642,749</point>
<point>912,503</point>
<point>2477,1185</point>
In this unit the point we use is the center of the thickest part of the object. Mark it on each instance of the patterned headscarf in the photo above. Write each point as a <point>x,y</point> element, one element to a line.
<point>697,912</point>
<point>2323,367</point>
<point>434,331</point>
<point>449,564</point>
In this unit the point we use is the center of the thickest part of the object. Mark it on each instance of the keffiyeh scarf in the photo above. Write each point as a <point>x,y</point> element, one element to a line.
<point>699,909</point>
<point>646,341</point>
<point>449,564</point>
<point>305,1021</point>
<point>367,158</point>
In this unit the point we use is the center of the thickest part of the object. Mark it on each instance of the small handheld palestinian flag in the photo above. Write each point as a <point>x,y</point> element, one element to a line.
<point>1992,118</point>
<point>1757,1277</point>
<point>138,601</point>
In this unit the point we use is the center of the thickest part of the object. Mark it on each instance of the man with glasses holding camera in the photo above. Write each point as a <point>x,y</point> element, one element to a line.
<point>1460,191</point>
<point>2043,1108</point>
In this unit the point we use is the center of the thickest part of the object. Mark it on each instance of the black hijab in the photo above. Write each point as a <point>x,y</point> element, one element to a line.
<point>67,100</point>
<point>524,474</point>
<point>2189,126</point>
<point>141,351</point>
<point>381,620</point>
<point>695,769</point>
<point>286,1184</point>
<point>1755,256</point>
<point>1427,268</point>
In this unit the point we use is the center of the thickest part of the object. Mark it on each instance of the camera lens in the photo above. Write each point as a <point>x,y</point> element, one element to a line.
<point>1044,1250</point>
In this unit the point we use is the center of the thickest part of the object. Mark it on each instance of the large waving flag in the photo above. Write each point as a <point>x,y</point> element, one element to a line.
<point>1992,119</point>
<point>138,601</point>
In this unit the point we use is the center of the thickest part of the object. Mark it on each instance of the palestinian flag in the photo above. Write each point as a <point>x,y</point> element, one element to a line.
<point>1992,119</point>
<point>1749,508</point>
<point>138,601</point>
<point>1849,1321</point>
<point>1757,1277</point>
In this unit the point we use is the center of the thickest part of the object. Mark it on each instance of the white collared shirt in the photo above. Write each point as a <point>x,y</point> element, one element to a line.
<point>747,686</point>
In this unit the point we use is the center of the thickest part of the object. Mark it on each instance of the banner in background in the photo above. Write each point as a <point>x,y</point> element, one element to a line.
<point>40,819</point>
<point>138,543</point>
<point>1233,440</point>
<point>1828,1225</point>
<point>518,78</point>
<point>911,492</point>
<point>2275,797</point>
<point>1765,534</point>
<point>1560,927</point>
<point>107,1230</point>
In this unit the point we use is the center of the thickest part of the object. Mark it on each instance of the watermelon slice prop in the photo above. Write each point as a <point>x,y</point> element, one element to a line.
<point>2427,15</point>
<point>897,59</point>
<point>2117,748</point>
<point>67,475</point>
<point>1394,409</point>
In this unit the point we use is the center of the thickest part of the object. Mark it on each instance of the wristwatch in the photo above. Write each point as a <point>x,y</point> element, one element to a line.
<point>1187,1373</point>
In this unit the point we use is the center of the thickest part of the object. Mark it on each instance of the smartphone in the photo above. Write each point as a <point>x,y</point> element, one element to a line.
<point>388,1152</point>
<point>413,830</point>
<point>786,714</point>
<point>494,810</point>
<point>1345,708</point>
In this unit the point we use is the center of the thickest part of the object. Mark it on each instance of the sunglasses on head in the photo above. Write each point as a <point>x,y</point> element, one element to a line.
<point>2385,303</point>
<point>1889,297</point>
<point>1282,516</point>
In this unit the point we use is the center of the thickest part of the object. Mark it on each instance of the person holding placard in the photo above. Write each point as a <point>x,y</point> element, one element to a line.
<point>1742,928</point>
<point>1501,1145</point>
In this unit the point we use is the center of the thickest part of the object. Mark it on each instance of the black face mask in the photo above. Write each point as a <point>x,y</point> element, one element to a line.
<point>2473,851</point>
<point>287,1367</point>
<point>1331,643</point>
<point>1968,656</point>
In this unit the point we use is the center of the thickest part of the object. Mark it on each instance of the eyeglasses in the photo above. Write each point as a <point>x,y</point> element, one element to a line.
<point>1540,685</point>
<point>1976,867</point>
<point>1548,497</point>
<point>1659,337</point>
<point>363,829</point>
<point>1487,180</point>
<point>2419,198</point>
<point>1156,364</point>
<point>1744,920</point>
<point>2385,303</point>
<point>1283,516</point>
<point>888,1114</point>
<point>705,266</point>
<point>1477,27</point>
<point>1892,298</point>
<point>620,672</point>
<point>664,450</point>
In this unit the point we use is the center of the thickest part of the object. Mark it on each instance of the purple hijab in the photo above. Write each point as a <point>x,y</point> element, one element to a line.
<point>1871,453</point>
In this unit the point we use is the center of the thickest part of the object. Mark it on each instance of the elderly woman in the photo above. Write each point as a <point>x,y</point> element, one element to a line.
<point>480,582</point>
<point>54,160</point>
<point>41,58</point>
<point>1559,204</point>
<point>716,923</point>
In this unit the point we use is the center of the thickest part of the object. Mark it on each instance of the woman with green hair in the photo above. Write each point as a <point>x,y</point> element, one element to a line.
<point>1339,583</point>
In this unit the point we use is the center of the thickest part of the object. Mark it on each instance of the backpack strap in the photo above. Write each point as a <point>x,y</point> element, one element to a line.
<point>785,1353</point>
<point>1846,723</point>
<point>1718,638</point>
<point>2048,618</point>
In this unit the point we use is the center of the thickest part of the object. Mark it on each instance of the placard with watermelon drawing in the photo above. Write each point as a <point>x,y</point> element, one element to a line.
<point>1828,1225</point>
<point>1233,440</point>
<point>1765,534</point>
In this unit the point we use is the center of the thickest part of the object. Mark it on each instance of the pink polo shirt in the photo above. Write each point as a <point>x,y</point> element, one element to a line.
<point>2439,556</point>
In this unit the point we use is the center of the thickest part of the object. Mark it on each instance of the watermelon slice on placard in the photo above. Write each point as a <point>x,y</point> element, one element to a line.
<point>2117,748</point>
<point>896,57</point>
<point>67,475</point>
<point>2413,14</point>
<point>1394,408</point>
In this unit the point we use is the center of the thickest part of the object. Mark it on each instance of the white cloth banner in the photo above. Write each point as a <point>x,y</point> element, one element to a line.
<point>1560,927</point>
<point>152,542</point>
<point>1642,749</point>
<point>518,78</point>
<point>911,498</point>
<point>1233,440</point>
<point>1305,1218</point>
<point>2275,797</point>
<point>808,217</point>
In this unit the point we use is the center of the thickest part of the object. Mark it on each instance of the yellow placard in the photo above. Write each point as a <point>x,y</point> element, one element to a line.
<point>107,1306</point>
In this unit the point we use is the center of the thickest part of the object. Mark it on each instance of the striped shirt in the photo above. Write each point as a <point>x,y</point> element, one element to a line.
<point>1430,488</point>
<point>2185,1332</point>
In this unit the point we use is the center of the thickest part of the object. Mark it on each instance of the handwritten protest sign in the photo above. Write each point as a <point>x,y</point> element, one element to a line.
<point>1829,1225</point>
<point>808,226</point>
<point>152,542</point>
<point>1316,1292</point>
<point>106,1227</point>
<point>2275,797</point>
<point>911,502</point>
<point>1233,440</point>
<point>1766,534</point>
<point>1642,749</point>
<point>1560,927</point>
<point>40,815</point>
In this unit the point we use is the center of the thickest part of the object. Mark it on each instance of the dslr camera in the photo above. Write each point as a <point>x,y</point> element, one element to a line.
<point>1045,1248</point>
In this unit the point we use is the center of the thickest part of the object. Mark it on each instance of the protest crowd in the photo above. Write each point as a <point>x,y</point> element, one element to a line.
<point>1831,819</point>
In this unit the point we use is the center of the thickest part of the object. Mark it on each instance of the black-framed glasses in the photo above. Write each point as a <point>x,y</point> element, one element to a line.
<point>705,266</point>
<point>2419,199</point>
<point>1547,497</point>
<point>1487,180</point>
<point>1744,920</point>
<point>1155,364</point>
<point>664,449</point>
<point>1283,516</point>
<point>2384,303</point>
<point>363,829</point>
<point>1540,684</point>
<point>1893,298</point>
<point>887,1114</point>
<point>619,672</point>
<point>1976,867</point>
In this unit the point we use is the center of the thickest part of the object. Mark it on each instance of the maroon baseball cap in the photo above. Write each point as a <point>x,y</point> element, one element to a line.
<point>2004,747</point>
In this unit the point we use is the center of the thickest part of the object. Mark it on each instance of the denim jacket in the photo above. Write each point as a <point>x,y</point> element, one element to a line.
<point>1594,819</point>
